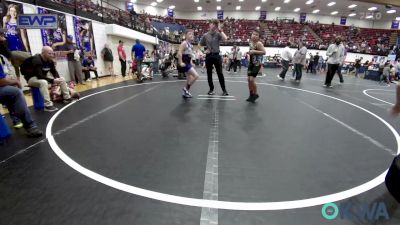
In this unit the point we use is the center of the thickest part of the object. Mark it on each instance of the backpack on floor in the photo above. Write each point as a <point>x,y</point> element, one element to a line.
<point>393,179</point>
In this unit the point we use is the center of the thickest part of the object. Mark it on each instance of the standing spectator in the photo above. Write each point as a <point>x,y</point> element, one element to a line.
<point>310,63</point>
<point>88,66</point>
<point>74,66</point>
<point>398,69</point>
<point>155,55</point>
<point>320,66</point>
<point>239,58</point>
<point>108,58</point>
<point>315,63</point>
<point>339,72</point>
<point>230,61</point>
<point>235,51</point>
<point>335,55</point>
<point>299,60</point>
<point>392,75</point>
<point>385,76</point>
<point>138,51</point>
<point>358,65</point>
<point>286,58</point>
<point>122,57</point>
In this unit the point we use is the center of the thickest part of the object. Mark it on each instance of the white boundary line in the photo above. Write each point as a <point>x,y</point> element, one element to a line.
<point>216,96</point>
<point>365,93</point>
<point>352,129</point>
<point>219,99</point>
<point>221,204</point>
<point>209,216</point>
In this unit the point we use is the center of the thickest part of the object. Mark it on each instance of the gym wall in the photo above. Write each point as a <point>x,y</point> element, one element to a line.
<point>103,33</point>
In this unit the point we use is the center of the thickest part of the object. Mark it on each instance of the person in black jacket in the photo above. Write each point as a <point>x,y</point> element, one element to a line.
<point>316,60</point>
<point>35,71</point>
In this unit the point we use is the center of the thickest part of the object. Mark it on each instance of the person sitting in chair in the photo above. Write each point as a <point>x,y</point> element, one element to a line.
<point>11,96</point>
<point>35,71</point>
<point>88,65</point>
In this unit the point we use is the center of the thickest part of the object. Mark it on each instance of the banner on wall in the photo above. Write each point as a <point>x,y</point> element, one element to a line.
<point>37,21</point>
<point>170,12</point>
<point>220,14</point>
<point>395,24</point>
<point>303,17</point>
<point>55,38</point>
<point>343,20</point>
<point>83,31</point>
<point>263,15</point>
<point>17,39</point>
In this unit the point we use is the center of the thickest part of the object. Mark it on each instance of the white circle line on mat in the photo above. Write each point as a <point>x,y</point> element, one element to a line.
<point>378,99</point>
<point>248,206</point>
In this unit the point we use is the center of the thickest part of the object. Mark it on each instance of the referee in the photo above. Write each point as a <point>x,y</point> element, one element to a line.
<point>212,41</point>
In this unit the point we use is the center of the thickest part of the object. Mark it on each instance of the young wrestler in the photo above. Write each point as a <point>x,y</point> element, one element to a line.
<point>257,51</point>
<point>185,62</point>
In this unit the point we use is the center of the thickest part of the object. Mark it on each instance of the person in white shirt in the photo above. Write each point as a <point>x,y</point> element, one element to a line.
<point>398,69</point>
<point>286,59</point>
<point>335,55</point>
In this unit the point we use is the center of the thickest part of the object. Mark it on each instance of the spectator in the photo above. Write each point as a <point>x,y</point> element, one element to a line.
<point>320,66</point>
<point>310,63</point>
<point>286,58</point>
<point>358,66</point>
<point>392,74</point>
<point>12,97</point>
<point>299,60</point>
<point>87,67</point>
<point>74,66</point>
<point>122,57</point>
<point>138,51</point>
<point>385,76</point>
<point>335,55</point>
<point>108,58</point>
<point>398,69</point>
<point>35,71</point>
<point>315,63</point>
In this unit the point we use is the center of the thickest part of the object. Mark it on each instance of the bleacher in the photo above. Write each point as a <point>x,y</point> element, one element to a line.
<point>360,40</point>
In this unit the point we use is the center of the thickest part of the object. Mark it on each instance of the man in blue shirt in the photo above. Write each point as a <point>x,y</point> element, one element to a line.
<point>12,97</point>
<point>138,51</point>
